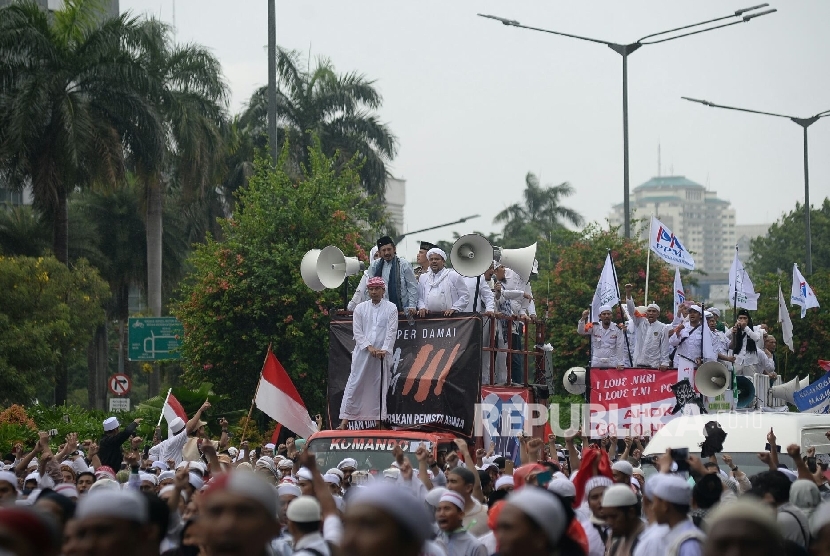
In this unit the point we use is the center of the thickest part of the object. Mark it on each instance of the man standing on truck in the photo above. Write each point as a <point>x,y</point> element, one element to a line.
<point>375,326</point>
<point>651,348</point>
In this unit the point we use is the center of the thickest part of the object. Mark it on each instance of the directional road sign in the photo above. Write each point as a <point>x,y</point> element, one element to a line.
<point>119,384</point>
<point>155,338</point>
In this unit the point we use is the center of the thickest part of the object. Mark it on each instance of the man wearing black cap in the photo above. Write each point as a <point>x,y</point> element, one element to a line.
<point>423,263</point>
<point>402,286</point>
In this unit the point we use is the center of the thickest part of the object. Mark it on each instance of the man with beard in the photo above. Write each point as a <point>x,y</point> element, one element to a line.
<point>743,337</point>
<point>651,348</point>
<point>441,290</point>
<point>397,274</point>
<point>607,341</point>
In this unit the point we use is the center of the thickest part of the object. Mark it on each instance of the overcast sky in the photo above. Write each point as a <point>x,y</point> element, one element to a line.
<point>476,105</point>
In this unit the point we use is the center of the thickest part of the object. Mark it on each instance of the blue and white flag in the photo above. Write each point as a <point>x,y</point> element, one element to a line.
<point>802,294</point>
<point>741,291</point>
<point>815,398</point>
<point>667,246</point>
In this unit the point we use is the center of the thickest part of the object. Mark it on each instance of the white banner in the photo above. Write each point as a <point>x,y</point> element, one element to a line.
<point>668,246</point>
<point>802,294</point>
<point>741,291</point>
<point>606,293</point>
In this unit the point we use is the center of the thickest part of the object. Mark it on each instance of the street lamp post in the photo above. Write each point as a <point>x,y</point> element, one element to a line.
<point>272,80</point>
<point>625,50</point>
<point>804,123</point>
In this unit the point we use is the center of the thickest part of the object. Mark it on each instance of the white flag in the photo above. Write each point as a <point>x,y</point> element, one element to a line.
<point>606,293</point>
<point>741,291</point>
<point>668,246</point>
<point>802,293</point>
<point>784,319</point>
<point>679,292</point>
<point>708,341</point>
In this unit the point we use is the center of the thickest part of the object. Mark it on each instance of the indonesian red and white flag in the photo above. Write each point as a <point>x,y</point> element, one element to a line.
<point>278,398</point>
<point>172,409</point>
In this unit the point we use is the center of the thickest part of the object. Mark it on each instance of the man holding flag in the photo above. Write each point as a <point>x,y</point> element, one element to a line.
<point>171,449</point>
<point>692,343</point>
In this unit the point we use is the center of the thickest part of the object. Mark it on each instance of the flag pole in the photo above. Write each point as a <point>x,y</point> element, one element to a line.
<point>648,260</point>
<point>622,316</point>
<point>253,401</point>
<point>735,293</point>
<point>167,397</point>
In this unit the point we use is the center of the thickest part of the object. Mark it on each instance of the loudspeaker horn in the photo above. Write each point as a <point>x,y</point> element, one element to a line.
<point>803,383</point>
<point>574,380</point>
<point>471,255</point>
<point>327,268</point>
<point>746,392</point>
<point>712,379</point>
<point>519,261</point>
<point>785,391</point>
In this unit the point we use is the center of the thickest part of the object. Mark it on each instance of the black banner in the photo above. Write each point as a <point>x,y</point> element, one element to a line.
<point>436,372</point>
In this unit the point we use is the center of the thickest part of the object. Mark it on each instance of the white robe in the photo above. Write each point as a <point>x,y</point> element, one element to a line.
<point>373,325</point>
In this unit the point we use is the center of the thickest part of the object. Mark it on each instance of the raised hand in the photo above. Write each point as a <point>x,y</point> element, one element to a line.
<point>811,452</point>
<point>535,444</point>
<point>92,450</point>
<point>793,450</point>
<point>132,459</point>
<point>765,457</point>
<point>461,444</point>
<point>307,459</point>
<point>182,478</point>
<point>406,470</point>
<point>771,437</point>
<point>727,459</point>
<point>422,454</point>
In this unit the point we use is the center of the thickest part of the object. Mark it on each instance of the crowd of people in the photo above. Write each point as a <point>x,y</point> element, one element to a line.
<point>190,495</point>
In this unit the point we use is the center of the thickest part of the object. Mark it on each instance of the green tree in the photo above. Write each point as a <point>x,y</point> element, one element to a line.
<point>337,109</point>
<point>784,243</point>
<point>540,213</point>
<point>47,318</point>
<point>246,291</point>
<point>189,95</point>
<point>23,232</point>
<point>574,279</point>
<point>70,90</point>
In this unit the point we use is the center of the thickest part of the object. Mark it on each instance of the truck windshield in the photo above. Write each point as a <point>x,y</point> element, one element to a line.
<point>372,453</point>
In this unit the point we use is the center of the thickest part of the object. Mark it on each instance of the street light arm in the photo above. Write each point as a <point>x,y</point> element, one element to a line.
<point>687,27</point>
<point>713,105</point>
<point>699,31</point>
<point>513,23</point>
<point>460,221</point>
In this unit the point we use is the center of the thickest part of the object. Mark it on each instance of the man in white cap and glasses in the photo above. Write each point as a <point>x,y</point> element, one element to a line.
<point>689,342</point>
<point>441,290</point>
<point>109,447</point>
<point>375,327</point>
<point>449,514</point>
<point>608,348</point>
<point>621,510</point>
<point>651,348</point>
<point>671,500</point>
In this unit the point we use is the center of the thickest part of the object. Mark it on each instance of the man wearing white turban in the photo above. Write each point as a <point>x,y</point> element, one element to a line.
<point>441,290</point>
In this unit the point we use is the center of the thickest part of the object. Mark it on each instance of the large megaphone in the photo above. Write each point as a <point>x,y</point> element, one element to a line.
<point>327,268</point>
<point>471,255</point>
<point>785,391</point>
<point>518,260</point>
<point>574,380</point>
<point>712,379</point>
<point>746,392</point>
<point>803,383</point>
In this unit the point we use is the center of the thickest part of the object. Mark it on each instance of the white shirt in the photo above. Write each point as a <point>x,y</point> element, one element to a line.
<point>170,448</point>
<point>651,347</point>
<point>607,344</point>
<point>514,289</point>
<point>486,300</point>
<point>442,291</point>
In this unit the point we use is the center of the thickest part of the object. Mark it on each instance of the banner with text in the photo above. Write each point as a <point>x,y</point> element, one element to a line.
<point>815,398</point>
<point>503,411</point>
<point>436,372</point>
<point>635,400</point>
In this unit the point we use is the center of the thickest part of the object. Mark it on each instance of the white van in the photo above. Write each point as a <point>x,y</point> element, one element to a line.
<point>746,436</point>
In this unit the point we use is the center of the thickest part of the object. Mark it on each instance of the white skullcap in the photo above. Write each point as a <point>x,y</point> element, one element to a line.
<point>164,475</point>
<point>619,496</point>
<point>335,471</point>
<point>177,425</point>
<point>105,483</point>
<point>160,465</point>
<point>304,474</point>
<point>331,479</point>
<point>289,479</point>
<point>715,311</point>
<point>503,481</point>
<point>165,489</point>
<point>8,477</point>
<point>110,424</point>
<point>745,509</point>
<point>708,315</point>
<point>562,487</point>
<point>149,477</point>
<point>623,467</point>
<point>285,464</point>
<point>434,496</point>
<point>544,509</point>
<point>67,463</point>
<point>289,489</point>
<point>348,462</point>
<point>696,308</point>
<point>32,477</point>
<point>247,485</point>
<point>603,308</point>
<point>673,489</point>
<point>653,306</point>
<point>270,446</point>
<point>120,504</point>
<point>399,503</point>
<point>596,482</point>
<point>437,251</point>
<point>637,471</point>
<point>67,489</point>
<point>233,451</point>
<point>305,509</point>
<point>453,498</point>
<point>392,473</point>
<point>198,466</point>
<point>372,252</point>
<point>195,481</point>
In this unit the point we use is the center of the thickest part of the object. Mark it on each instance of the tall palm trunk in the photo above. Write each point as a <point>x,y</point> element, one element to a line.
<point>154,248</point>
<point>60,232</point>
<point>97,364</point>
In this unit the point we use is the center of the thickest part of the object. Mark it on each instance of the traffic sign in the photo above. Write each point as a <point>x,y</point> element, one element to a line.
<point>119,404</point>
<point>119,384</point>
<point>154,338</point>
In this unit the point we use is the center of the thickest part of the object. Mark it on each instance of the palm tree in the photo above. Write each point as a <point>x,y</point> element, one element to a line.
<point>23,232</point>
<point>339,109</point>
<point>540,214</point>
<point>189,94</point>
<point>70,91</point>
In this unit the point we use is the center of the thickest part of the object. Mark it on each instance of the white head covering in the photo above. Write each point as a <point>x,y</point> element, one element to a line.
<point>805,495</point>
<point>270,446</point>
<point>562,487</point>
<point>400,504</point>
<point>348,462</point>
<point>164,475</point>
<point>437,251</point>
<point>619,496</point>
<point>434,496</point>
<point>696,308</point>
<point>304,474</point>
<point>121,504</point>
<point>623,467</point>
<point>674,489</point>
<point>653,306</point>
<point>603,308</point>
<point>289,489</point>
<point>372,253</point>
<point>542,508</point>
<point>453,498</point>
<point>149,477</point>
<point>177,425</point>
<point>110,424</point>
<point>331,479</point>
<point>8,477</point>
<point>503,481</point>
<point>334,471</point>
<point>496,264</point>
